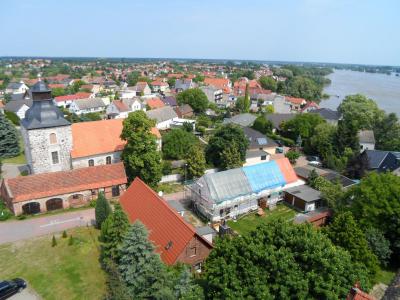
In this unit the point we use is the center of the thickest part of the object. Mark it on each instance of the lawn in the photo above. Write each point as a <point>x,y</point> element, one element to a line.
<point>385,276</point>
<point>60,272</point>
<point>249,222</point>
<point>170,188</point>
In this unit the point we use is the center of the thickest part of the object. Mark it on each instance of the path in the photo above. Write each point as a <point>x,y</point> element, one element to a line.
<point>12,170</point>
<point>12,231</point>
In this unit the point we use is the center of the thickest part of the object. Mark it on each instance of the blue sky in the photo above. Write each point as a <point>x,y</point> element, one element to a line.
<point>349,31</point>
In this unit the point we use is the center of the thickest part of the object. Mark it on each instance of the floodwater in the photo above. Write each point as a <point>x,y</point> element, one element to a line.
<point>384,89</point>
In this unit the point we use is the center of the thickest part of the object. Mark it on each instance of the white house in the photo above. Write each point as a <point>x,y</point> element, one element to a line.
<point>164,117</point>
<point>16,88</point>
<point>119,109</point>
<point>19,107</point>
<point>84,106</point>
<point>366,139</point>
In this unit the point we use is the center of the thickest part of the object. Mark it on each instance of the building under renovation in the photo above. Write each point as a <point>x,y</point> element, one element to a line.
<point>230,193</point>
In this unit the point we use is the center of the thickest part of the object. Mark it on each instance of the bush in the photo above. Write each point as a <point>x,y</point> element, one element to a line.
<point>21,217</point>
<point>166,167</point>
<point>292,156</point>
<point>12,117</point>
<point>285,141</point>
<point>5,213</point>
<point>201,129</point>
<point>64,235</point>
<point>53,241</point>
<point>70,240</point>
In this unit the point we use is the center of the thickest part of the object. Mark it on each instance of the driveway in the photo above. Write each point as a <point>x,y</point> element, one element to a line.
<point>12,231</point>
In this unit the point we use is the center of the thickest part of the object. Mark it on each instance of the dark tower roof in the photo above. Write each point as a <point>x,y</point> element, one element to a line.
<point>43,112</point>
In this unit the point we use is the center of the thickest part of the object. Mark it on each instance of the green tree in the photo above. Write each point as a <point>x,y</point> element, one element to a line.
<point>375,203</point>
<point>304,87</point>
<point>222,139</point>
<point>58,91</point>
<point>185,288</point>
<point>241,105</point>
<point>303,125</point>
<point>102,210</point>
<point>344,232</point>
<point>263,125</point>
<point>116,287</point>
<point>141,269</point>
<point>113,231</point>
<point>177,142</point>
<point>195,98</point>
<point>387,133</point>
<point>312,179</point>
<point>230,157</point>
<point>246,101</point>
<point>378,244</point>
<point>292,156</point>
<point>268,83</point>
<point>9,140</point>
<point>361,111</point>
<point>140,155</point>
<point>171,82</point>
<point>347,136</point>
<point>196,162</point>
<point>281,260</point>
<point>133,78</point>
<point>322,140</point>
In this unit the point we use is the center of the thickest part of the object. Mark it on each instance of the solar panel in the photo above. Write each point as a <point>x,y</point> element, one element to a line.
<point>262,141</point>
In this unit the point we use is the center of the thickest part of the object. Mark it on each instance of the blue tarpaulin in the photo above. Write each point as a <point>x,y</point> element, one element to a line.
<point>264,176</point>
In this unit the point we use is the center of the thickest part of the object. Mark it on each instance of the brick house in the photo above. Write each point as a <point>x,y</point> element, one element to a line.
<point>175,240</point>
<point>50,191</point>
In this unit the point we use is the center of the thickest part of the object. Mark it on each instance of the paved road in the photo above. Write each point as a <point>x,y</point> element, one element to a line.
<point>12,170</point>
<point>12,231</point>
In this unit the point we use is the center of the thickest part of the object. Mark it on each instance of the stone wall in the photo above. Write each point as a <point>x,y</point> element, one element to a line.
<point>83,162</point>
<point>38,149</point>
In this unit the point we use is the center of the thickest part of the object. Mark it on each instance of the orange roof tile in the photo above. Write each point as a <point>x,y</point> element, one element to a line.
<point>98,137</point>
<point>165,225</point>
<point>220,83</point>
<point>80,95</point>
<point>56,85</point>
<point>120,105</point>
<point>295,100</point>
<point>287,170</point>
<point>155,103</point>
<point>64,182</point>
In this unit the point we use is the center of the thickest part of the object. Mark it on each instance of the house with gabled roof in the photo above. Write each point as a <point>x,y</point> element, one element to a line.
<point>175,240</point>
<point>84,106</point>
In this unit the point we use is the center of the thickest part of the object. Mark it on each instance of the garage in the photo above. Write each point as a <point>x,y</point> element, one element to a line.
<point>54,203</point>
<point>31,208</point>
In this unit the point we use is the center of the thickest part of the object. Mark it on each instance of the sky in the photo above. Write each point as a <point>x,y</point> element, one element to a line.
<point>338,31</point>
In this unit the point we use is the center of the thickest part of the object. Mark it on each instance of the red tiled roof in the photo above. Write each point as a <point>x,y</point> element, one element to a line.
<point>357,294</point>
<point>80,95</point>
<point>295,100</point>
<point>120,105</point>
<point>64,182</point>
<point>220,83</point>
<point>98,137</point>
<point>155,103</point>
<point>165,226</point>
<point>56,85</point>
<point>287,170</point>
<point>177,76</point>
<point>158,83</point>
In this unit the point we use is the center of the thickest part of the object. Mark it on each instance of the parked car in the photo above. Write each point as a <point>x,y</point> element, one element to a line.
<point>315,163</point>
<point>313,158</point>
<point>11,287</point>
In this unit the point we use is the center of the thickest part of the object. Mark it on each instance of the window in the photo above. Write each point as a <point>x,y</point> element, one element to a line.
<point>197,267</point>
<point>263,157</point>
<point>192,251</point>
<point>54,157</point>
<point>115,191</point>
<point>91,162</point>
<point>108,160</point>
<point>93,192</point>
<point>53,138</point>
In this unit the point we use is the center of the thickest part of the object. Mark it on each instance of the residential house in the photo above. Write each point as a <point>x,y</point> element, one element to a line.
<point>19,107</point>
<point>296,104</point>
<point>184,84</point>
<point>278,119</point>
<point>66,100</point>
<point>214,95</point>
<point>128,93</point>
<point>170,101</point>
<point>281,106</point>
<point>154,103</point>
<point>16,88</point>
<point>99,143</point>
<point>259,141</point>
<point>119,109</point>
<point>254,157</point>
<point>84,106</point>
<point>234,192</point>
<point>304,172</point>
<point>223,84</point>
<point>163,116</point>
<point>382,161</point>
<point>142,88</point>
<point>331,116</point>
<point>310,106</point>
<point>159,86</point>
<point>184,111</point>
<point>366,138</point>
<point>38,193</point>
<point>303,198</point>
<point>245,120</point>
<point>175,240</point>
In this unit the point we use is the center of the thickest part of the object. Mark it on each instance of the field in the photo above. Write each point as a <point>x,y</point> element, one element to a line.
<point>249,222</point>
<point>60,272</point>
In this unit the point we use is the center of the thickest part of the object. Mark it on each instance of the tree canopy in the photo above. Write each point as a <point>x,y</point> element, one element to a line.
<point>9,140</point>
<point>140,154</point>
<point>102,210</point>
<point>196,162</point>
<point>302,125</point>
<point>263,125</point>
<point>281,260</point>
<point>222,139</point>
<point>268,83</point>
<point>177,142</point>
<point>195,98</point>
<point>304,87</point>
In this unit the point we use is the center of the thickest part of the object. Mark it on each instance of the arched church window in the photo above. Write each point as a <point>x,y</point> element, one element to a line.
<point>53,138</point>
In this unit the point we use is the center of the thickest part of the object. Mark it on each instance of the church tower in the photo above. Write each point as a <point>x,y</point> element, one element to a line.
<point>47,135</point>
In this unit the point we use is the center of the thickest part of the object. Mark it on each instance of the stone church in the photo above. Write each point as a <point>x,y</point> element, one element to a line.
<point>53,144</point>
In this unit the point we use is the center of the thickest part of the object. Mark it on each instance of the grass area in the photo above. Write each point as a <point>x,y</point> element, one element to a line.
<point>385,276</point>
<point>170,188</point>
<point>60,272</point>
<point>20,159</point>
<point>249,222</point>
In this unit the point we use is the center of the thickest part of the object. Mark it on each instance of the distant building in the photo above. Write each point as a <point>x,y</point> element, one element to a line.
<point>16,88</point>
<point>163,116</point>
<point>366,139</point>
<point>119,109</point>
<point>84,106</point>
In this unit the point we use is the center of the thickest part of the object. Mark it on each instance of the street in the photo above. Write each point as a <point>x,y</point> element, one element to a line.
<point>12,231</point>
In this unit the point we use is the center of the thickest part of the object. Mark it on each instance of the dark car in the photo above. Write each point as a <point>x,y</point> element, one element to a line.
<point>11,287</point>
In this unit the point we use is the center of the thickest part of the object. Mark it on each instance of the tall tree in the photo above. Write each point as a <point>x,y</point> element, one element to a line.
<point>230,157</point>
<point>263,125</point>
<point>9,141</point>
<point>268,83</point>
<point>113,231</point>
<point>303,87</point>
<point>195,98</point>
<point>223,137</point>
<point>102,210</point>
<point>141,269</point>
<point>303,125</point>
<point>344,232</point>
<point>196,162</point>
<point>347,136</point>
<point>140,154</point>
<point>387,133</point>
<point>322,140</point>
<point>281,260</point>
<point>246,101</point>
<point>177,142</point>
<point>378,244</point>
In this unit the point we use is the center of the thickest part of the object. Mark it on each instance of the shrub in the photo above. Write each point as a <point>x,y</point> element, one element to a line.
<point>64,235</point>
<point>53,241</point>
<point>70,240</point>
<point>12,117</point>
